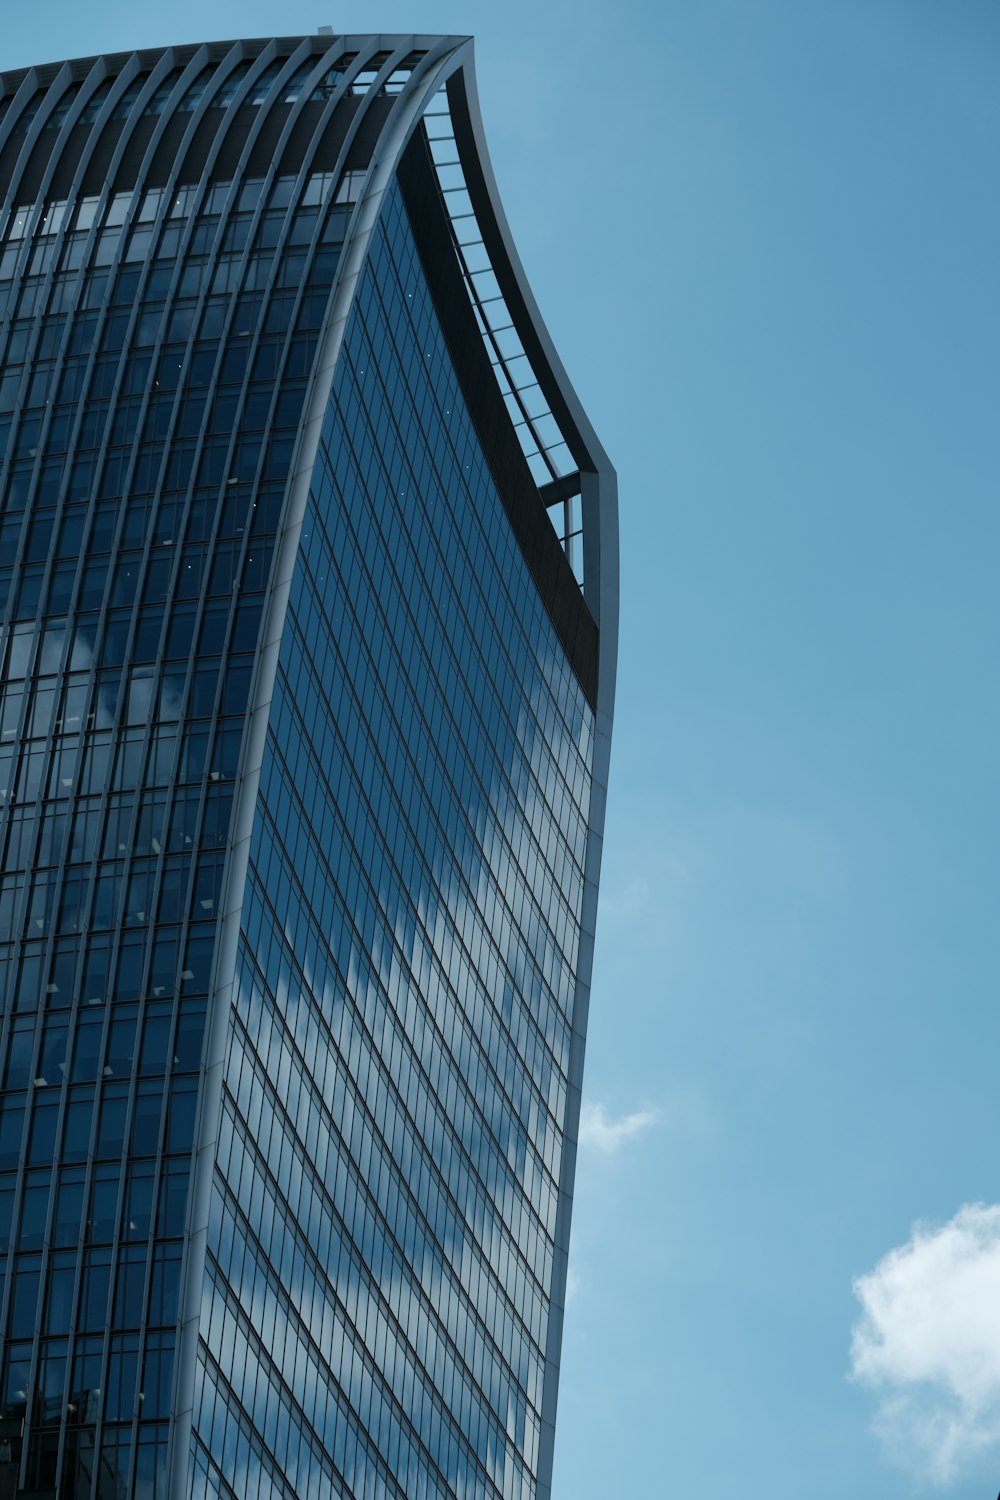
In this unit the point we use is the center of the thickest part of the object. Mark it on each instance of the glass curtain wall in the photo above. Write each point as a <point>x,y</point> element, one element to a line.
<point>156,347</point>
<point>384,1204</point>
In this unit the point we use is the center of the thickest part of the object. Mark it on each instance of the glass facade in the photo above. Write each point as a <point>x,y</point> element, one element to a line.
<point>404,871</point>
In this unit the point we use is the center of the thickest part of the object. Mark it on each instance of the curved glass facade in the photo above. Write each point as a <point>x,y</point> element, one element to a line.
<point>288,1020</point>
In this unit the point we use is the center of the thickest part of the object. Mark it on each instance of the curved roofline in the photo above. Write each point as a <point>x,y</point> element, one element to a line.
<point>589,454</point>
<point>368,42</point>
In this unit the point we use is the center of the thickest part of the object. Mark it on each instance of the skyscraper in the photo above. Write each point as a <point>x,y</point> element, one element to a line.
<point>308,573</point>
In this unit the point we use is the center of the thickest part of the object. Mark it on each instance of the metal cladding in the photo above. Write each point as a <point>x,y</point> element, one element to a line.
<point>308,555</point>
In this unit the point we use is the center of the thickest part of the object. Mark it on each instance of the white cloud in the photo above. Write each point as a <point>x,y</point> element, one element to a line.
<point>600,1132</point>
<point>929,1345</point>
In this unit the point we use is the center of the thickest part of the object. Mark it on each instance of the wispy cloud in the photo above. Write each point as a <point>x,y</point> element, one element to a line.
<point>627,900</point>
<point>929,1344</point>
<point>629,894</point>
<point>602,1132</point>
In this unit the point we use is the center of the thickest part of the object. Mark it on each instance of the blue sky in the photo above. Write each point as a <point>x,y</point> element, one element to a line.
<point>765,239</point>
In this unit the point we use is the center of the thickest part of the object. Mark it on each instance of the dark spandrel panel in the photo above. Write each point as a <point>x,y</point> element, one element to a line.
<point>381,1240</point>
<point>155,352</point>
